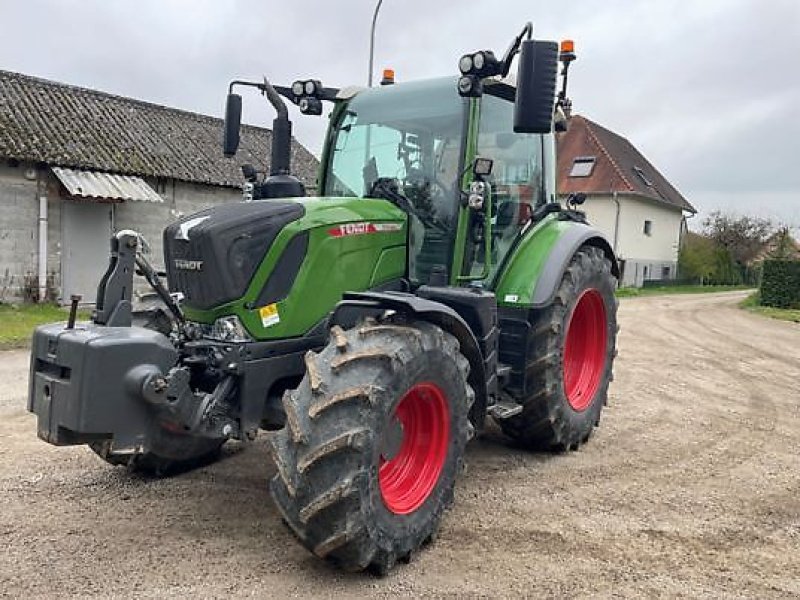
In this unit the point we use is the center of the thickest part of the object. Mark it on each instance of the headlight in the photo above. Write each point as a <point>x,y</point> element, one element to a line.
<point>477,187</point>
<point>470,85</point>
<point>465,85</point>
<point>228,329</point>
<point>475,201</point>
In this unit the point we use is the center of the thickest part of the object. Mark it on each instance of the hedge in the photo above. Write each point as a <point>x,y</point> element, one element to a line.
<point>780,284</point>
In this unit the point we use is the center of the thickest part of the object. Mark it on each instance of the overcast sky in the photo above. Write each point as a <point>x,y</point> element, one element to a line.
<point>708,90</point>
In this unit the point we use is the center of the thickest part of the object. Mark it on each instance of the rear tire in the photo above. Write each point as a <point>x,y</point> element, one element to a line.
<point>573,344</point>
<point>374,439</point>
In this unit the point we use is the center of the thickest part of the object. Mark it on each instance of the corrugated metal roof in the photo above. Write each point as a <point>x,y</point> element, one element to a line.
<point>93,184</point>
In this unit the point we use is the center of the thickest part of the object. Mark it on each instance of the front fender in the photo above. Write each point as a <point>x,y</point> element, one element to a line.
<point>531,276</point>
<point>357,305</point>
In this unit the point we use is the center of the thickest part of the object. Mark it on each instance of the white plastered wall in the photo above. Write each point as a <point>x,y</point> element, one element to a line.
<point>646,256</point>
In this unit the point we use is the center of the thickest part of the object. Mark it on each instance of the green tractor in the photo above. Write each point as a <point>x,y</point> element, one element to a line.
<point>435,280</point>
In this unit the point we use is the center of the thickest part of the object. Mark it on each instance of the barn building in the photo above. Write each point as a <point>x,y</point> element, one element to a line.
<point>77,165</point>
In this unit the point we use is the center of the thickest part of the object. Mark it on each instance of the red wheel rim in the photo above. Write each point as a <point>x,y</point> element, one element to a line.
<point>585,350</point>
<point>408,478</point>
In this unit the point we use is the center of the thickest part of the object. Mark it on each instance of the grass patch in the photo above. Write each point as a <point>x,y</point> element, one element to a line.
<point>630,292</point>
<point>753,304</point>
<point>17,321</point>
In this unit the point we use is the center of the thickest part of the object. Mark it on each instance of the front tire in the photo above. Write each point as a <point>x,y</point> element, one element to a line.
<point>170,453</point>
<point>573,345</point>
<point>374,439</point>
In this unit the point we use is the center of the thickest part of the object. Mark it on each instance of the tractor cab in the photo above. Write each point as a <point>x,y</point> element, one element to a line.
<point>415,144</point>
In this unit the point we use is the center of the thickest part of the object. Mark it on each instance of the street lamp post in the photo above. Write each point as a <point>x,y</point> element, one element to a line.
<point>372,42</point>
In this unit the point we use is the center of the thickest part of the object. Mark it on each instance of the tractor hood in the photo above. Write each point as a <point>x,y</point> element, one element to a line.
<point>211,256</point>
<point>279,265</point>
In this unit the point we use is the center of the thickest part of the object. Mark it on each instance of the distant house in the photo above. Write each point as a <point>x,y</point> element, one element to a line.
<point>781,245</point>
<point>627,198</point>
<point>78,164</point>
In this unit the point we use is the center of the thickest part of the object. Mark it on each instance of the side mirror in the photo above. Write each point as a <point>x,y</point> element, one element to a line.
<point>233,121</point>
<point>575,199</point>
<point>536,87</point>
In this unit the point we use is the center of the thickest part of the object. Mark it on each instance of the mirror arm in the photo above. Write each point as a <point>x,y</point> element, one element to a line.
<point>514,47</point>
<point>244,83</point>
<point>563,101</point>
<point>270,91</point>
<point>326,93</point>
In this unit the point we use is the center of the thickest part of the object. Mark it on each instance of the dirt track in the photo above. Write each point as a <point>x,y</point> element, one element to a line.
<point>690,487</point>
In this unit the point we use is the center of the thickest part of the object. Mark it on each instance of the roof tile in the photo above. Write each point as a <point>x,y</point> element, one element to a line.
<point>616,164</point>
<point>69,126</point>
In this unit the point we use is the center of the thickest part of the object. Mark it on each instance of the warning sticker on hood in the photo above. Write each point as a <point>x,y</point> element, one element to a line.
<point>269,315</point>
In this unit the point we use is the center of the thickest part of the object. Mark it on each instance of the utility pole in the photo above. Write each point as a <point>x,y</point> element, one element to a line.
<point>372,42</point>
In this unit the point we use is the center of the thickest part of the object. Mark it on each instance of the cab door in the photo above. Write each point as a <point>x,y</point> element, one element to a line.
<point>515,184</point>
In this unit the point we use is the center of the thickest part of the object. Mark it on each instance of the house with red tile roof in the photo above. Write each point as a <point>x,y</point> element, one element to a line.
<point>640,211</point>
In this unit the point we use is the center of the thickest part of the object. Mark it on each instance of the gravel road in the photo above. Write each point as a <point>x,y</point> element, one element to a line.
<point>690,487</point>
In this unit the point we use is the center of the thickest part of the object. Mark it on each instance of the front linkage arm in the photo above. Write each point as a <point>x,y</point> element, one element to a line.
<point>146,396</point>
<point>113,307</point>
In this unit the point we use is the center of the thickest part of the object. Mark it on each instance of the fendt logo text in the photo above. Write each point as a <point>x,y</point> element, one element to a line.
<point>188,265</point>
<point>363,227</point>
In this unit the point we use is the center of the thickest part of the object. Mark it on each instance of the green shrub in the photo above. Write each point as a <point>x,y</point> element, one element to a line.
<point>780,284</point>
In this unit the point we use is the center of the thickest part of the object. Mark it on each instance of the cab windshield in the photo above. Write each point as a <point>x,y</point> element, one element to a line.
<point>405,140</point>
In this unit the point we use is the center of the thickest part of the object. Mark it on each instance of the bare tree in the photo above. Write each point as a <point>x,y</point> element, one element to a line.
<point>743,237</point>
<point>785,248</point>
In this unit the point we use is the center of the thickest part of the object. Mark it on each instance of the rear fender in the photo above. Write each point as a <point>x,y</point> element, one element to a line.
<point>532,275</point>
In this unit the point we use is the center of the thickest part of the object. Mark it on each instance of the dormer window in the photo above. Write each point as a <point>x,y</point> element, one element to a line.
<point>582,166</point>
<point>640,173</point>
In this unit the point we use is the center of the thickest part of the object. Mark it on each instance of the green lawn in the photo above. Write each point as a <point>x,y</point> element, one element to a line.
<point>17,321</point>
<point>628,292</point>
<point>752,304</point>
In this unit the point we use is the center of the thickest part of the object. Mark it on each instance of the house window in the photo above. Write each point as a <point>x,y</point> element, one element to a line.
<point>642,176</point>
<point>665,272</point>
<point>648,228</point>
<point>582,166</point>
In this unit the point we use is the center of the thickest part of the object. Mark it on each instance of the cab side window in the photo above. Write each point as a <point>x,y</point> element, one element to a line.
<point>516,178</point>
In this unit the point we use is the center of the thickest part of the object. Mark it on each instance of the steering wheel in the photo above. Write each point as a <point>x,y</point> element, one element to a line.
<point>425,195</point>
